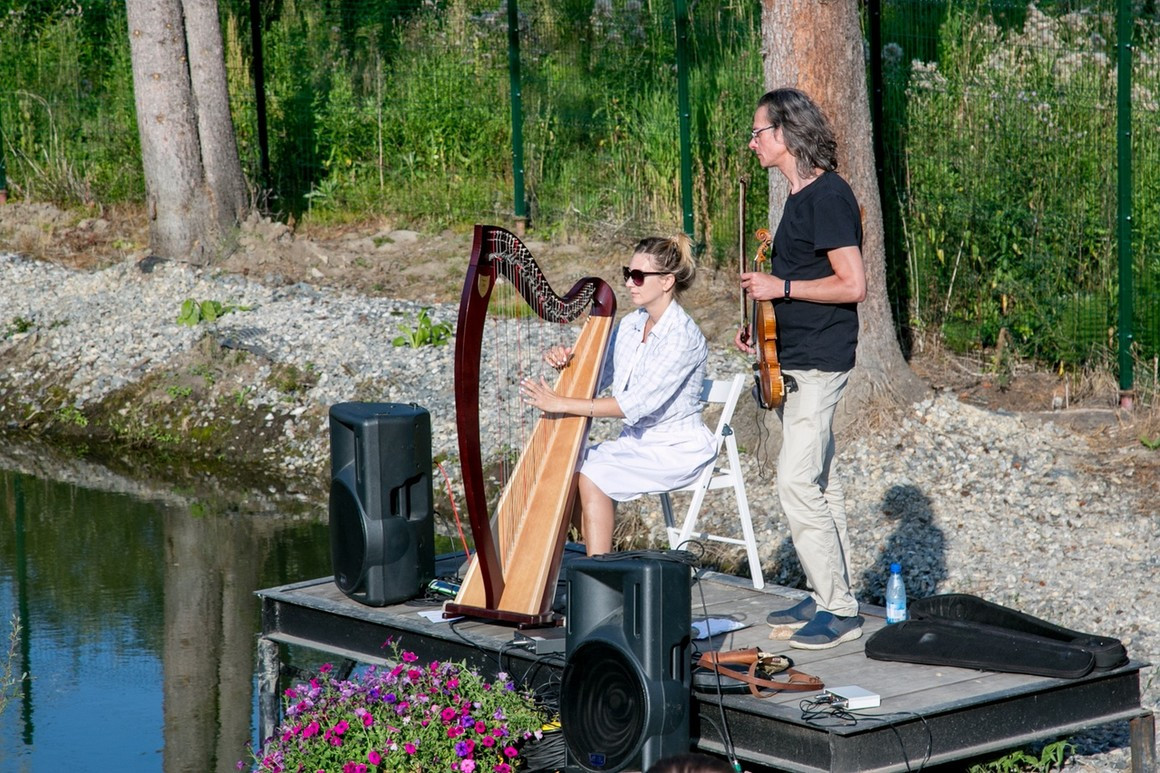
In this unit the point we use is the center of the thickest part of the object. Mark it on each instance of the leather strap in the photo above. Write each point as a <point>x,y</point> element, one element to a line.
<point>797,681</point>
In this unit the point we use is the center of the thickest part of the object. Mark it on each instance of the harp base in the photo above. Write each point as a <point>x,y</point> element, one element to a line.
<point>521,619</point>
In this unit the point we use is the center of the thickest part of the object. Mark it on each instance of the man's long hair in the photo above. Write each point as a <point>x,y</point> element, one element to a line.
<point>804,129</point>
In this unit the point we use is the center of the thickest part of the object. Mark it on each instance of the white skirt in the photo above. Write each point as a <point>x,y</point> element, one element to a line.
<point>650,461</point>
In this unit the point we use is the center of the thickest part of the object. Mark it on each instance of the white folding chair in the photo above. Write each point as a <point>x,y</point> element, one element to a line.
<point>723,473</point>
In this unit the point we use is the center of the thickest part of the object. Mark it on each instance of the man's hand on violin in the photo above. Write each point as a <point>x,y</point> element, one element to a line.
<point>760,286</point>
<point>742,340</point>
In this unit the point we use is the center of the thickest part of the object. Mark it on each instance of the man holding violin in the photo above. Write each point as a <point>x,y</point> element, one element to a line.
<point>815,283</point>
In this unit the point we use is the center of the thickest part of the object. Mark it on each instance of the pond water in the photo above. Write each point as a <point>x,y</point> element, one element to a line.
<point>138,625</point>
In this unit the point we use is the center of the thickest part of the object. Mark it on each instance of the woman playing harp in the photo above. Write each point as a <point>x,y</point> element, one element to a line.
<point>655,374</point>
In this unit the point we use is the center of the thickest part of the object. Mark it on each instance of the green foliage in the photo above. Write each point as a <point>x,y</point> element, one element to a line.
<point>1051,757</point>
<point>18,325</point>
<point>424,332</point>
<point>194,312</point>
<point>67,110</point>
<point>70,414</point>
<point>1009,204</point>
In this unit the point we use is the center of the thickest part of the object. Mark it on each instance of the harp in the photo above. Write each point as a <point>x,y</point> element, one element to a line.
<point>518,549</point>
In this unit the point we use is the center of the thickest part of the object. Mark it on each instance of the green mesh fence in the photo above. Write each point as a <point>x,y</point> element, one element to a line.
<point>999,134</point>
<point>1002,175</point>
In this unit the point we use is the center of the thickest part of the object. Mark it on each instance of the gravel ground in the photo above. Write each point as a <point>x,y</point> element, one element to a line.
<point>1012,508</point>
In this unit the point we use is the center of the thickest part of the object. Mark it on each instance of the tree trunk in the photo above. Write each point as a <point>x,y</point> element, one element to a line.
<point>195,190</point>
<point>219,146</point>
<point>817,46</point>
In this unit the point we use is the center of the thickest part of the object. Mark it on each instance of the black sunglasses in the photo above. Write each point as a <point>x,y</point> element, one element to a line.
<point>637,276</point>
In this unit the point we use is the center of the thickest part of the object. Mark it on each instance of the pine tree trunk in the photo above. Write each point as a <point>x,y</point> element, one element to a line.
<point>225,182</point>
<point>195,190</point>
<point>817,46</point>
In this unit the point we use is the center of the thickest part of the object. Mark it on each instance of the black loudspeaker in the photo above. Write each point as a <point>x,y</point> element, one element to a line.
<point>624,698</point>
<point>382,524</point>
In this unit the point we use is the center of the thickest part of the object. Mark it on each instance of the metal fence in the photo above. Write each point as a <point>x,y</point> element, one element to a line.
<point>1000,130</point>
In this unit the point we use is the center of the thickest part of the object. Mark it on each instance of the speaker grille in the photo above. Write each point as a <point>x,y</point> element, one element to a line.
<point>605,704</point>
<point>348,538</point>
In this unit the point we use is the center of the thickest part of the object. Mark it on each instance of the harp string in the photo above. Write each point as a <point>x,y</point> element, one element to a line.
<point>520,334</point>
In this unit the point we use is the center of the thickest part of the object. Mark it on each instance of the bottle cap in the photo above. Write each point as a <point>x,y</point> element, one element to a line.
<point>896,568</point>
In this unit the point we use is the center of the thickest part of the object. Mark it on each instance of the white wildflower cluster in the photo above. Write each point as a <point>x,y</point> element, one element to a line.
<point>924,76</point>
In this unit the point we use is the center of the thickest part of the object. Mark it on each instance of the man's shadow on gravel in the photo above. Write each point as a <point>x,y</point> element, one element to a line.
<point>915,542</point>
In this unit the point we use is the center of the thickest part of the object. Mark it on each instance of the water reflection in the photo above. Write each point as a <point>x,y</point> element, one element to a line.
<point>139,622</point>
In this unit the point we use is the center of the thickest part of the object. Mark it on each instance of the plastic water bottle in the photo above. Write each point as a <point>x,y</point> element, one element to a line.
<point>895,595</point>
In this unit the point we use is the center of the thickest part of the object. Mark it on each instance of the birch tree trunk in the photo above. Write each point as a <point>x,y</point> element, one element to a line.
<point>817,46</point>
<point>195,190</point>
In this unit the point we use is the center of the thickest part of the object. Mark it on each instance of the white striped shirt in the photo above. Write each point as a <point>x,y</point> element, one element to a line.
<point>657,383</point>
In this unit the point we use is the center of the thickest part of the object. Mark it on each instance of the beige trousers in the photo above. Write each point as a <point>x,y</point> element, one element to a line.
<point>809,489</point>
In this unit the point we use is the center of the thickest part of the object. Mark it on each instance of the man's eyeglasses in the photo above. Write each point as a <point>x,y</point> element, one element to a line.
<point>637,276</point>
<point>753,133</point>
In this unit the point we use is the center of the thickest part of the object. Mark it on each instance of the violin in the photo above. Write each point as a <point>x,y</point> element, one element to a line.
<point>770,384</point>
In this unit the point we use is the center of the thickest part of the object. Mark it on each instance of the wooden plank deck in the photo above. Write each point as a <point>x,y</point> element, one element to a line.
<point>929,715</point>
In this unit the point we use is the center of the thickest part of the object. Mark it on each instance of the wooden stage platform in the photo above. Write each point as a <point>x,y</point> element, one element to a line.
<point>929,716</point>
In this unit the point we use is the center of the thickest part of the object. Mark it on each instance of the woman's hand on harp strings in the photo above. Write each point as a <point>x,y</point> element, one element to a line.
<point>558,357</point>
<point>538,394</point>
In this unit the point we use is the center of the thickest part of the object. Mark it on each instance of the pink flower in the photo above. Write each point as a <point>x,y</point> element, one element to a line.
<point>480,727</point>
<point>410,748</point>
<point>410,657</point>
<point>373,757</point>
<point>510,752</point>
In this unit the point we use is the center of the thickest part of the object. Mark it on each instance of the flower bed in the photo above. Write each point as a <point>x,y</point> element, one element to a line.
<point>441,716</point>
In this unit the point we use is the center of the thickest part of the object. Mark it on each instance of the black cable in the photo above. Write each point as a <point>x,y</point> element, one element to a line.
<point>816,710</point>
<point>723,730</point>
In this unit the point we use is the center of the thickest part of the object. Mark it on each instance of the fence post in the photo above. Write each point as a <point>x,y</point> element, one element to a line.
<point>520,205</point>
<point>1124,194</point>
<point>3,170</point>
<point>680,11</point>
<point>259,72</point>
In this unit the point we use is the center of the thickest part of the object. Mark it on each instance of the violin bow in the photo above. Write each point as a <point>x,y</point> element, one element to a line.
<point>743,183</point>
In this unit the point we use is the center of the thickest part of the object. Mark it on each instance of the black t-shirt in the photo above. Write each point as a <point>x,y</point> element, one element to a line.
<point>820,217</point>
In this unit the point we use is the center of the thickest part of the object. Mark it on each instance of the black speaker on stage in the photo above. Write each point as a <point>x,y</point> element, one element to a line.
<point>382,520</point>
<point>624,698</point>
